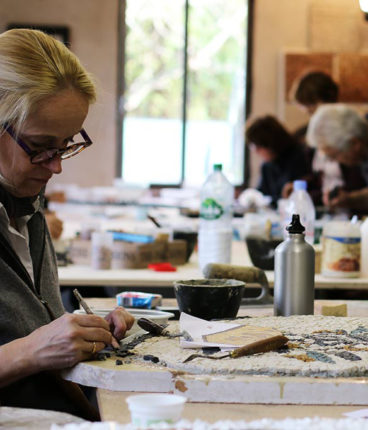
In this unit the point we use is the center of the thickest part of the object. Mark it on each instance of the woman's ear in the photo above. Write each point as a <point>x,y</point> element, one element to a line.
<point>358,147</point>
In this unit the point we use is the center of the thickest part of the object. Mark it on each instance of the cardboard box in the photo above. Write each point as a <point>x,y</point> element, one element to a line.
<point>177,252</point>
<point>80,252</point>
<point>159,251</point>
<point>128,255</point>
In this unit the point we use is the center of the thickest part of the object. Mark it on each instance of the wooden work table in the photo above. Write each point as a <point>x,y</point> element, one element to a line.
<point>74,275</point>
<point>113,407</point>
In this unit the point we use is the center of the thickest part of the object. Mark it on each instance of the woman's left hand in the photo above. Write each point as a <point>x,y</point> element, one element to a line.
<point>120,322</point>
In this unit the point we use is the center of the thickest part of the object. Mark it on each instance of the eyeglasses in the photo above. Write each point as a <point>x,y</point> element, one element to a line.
<point>38,157</point>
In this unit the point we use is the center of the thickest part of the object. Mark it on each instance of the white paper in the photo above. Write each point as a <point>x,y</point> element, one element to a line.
<point>360,413</point>
<point>197,328</point>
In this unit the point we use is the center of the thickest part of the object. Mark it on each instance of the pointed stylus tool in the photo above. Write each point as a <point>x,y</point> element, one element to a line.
<point>115,344</point>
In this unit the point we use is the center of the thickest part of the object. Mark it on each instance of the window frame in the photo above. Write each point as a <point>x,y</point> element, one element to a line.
<point>121,85</point>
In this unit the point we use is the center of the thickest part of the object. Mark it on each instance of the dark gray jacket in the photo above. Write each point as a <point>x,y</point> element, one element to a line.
<point>26,305</point>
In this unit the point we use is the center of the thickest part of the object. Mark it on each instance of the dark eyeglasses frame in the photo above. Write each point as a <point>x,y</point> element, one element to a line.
<point>49,154</point>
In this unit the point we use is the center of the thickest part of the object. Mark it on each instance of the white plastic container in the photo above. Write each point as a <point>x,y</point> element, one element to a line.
<point>149,409</point>
<point>341,249</point>
<point>364,249</point>
<point>215,225</point>
<point>301,203</point>
<point>101,251</point>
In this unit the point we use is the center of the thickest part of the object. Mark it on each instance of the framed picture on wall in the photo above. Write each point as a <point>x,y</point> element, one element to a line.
<point>60,32</point>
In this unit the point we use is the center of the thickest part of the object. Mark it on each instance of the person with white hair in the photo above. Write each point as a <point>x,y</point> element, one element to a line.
<point>342,134</point>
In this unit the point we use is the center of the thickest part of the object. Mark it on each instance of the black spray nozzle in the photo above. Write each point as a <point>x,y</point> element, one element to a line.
<point>295,227</point>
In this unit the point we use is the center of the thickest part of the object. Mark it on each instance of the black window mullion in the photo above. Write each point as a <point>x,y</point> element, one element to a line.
<point>248,86</point>
<point>121,87</point>
<point>120,111</point>
<point>185,89</point>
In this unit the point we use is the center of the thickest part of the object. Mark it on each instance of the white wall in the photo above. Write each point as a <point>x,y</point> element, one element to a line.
<point>93,28</point>
<point>300,25</point>
<point>319,25</point>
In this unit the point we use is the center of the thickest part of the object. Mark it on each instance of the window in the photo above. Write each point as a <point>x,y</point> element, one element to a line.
<point>183,86</point>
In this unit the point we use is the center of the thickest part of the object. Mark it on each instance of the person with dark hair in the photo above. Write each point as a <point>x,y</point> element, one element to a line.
<point>284,159</point>
<point>315,88</point>
<point>311,90</point>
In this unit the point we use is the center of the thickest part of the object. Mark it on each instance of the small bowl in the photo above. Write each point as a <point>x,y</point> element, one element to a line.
<point>209,298</point>
<point>262,251</point>
<point>149,409</point>
<point>190,237</point>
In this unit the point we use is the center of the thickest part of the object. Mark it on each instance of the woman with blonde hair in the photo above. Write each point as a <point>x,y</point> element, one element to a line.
<point>45,94</point>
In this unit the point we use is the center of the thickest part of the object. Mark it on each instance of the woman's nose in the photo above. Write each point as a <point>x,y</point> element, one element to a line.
<point>54,165</point>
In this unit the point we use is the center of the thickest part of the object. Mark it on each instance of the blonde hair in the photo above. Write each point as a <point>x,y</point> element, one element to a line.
<point>34,65</point>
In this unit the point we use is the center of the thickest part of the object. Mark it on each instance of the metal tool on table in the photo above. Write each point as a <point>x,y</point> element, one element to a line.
<point>247,274</point>
<point>115,344</point>
<point>160,330</point>
<point>257,347</point>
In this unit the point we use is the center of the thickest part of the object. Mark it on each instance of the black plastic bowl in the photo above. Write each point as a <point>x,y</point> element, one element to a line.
<point>209,298</point>
<point>262,251</point>
<point>190,237</point>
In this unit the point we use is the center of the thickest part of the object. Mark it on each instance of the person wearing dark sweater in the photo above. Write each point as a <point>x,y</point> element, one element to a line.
<point>284,159</point>
<point>310,91</point>
<point>45,94</point>
<point>341,133</point>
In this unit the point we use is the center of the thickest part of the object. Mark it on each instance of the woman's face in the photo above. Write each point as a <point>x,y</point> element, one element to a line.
<point>353,156</point>
<point>265,153</point>
<point>51,124</point>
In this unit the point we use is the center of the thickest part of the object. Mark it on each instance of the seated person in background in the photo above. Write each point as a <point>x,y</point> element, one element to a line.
<point>342,134</point>
<point>309,92</point>
<point>284,159</point>
<point>54,223</point>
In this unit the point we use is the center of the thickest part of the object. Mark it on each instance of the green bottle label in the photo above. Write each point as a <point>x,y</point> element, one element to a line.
<point>211,210</point>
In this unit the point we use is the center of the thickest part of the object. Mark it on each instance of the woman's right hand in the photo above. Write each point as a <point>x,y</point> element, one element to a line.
<point>287,190</point>
<point>67,341</point>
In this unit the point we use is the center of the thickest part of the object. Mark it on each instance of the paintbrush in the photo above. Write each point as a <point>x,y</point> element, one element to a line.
<point>88,310</point>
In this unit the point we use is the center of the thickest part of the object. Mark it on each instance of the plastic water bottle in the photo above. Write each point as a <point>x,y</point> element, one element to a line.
<point>215,230</point>
<point>301,203</point>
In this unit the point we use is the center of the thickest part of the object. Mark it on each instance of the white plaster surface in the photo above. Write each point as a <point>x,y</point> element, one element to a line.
<point>340,384</point>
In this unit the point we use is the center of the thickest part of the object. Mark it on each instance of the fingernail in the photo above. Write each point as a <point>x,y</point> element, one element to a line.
<point>115,343</point>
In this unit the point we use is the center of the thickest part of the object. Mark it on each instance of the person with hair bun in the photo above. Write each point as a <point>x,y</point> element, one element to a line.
<point>45,94</point>
<point>315,88</point>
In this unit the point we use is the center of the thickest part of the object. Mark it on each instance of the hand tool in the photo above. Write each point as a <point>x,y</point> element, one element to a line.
<point>160,330</point>
<point>88,310</point>
<point>257,347</point>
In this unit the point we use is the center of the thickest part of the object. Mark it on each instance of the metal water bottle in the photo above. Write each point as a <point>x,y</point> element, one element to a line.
<point>294,273</point>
